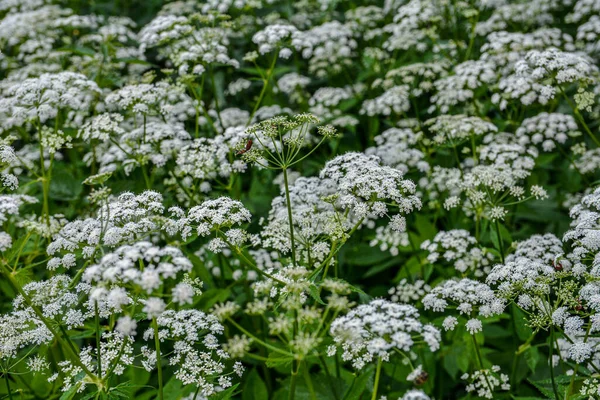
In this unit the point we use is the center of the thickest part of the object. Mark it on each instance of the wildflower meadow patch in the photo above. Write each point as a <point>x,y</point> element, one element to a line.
<point>301,200</point>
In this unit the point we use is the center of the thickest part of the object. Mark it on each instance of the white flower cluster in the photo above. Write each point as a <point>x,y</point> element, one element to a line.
<point>42,98</point>
<point>313,219</point>
<point>324,103</point>
<point>275,37</point>
<point>141,264</point>
<point>396,148</point>
<point>364,185</point>
<point>406,292</point>
<point>547,130</point>
<point>375,329</point>
<point>395,100</point>
<point>213,215</point>
<point>153,143</point>
<point>506,48</point>
<point>453,129</point>
<point>328,47</point>
<point>486,381</point>
<point>460,86</point>
<point>418,76</point>
<point>122,220</point>
<point>553,68</point>
<point>469,297</point>
<point>541,248</point>
<point>206,160</point>
<point>459,249</point>
<point>526,279</point>
<point>190,48</point>
<point>152,99</point>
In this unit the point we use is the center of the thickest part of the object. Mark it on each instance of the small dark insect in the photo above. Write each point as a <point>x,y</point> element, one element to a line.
<point>579,306</point>
<point>421,378</point>
<point>245,149</point>
<point>558,266</point>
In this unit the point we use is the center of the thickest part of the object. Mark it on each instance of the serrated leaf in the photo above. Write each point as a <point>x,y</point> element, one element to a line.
<point>314,293</point>
<point>545,387</point>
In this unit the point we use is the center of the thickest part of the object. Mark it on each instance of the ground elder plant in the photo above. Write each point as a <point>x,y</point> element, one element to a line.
<point>317,199</point>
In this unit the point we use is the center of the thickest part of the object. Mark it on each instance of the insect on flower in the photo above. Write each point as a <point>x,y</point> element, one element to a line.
<point>558,266</point>
<point>245,149</point>
<point>421,378</point>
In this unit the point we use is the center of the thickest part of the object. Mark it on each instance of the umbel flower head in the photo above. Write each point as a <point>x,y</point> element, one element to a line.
<point>469,297</point>
<point>458,248</point>
<point>366,187</point>
<point>43,97</point>
<point>375,329</point>
<point>277,141</point>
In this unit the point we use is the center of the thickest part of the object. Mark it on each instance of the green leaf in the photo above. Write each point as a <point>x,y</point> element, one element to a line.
<point>457,359</point>
<point>532,358</point>
<point>254,388</point>
<point>426,229</point>
<point>70,394</point>
<point>88,333</point>
<point>374,270</point>
<point>314,293</point>
<point>64,186</point>
<point>228,394</point>
<point>355,391</point>
<point>277,360</point>
<point>172,390</point>
<point>523,331</point>
<point>212,296</point>
<point>545,387</point>
<point>97,179</point>
<point>364,255</point>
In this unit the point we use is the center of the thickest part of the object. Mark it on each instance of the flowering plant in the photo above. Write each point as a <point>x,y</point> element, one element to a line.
<point>306,200</point>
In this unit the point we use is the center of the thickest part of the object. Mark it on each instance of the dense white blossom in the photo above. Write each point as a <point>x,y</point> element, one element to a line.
<point>375,329</point>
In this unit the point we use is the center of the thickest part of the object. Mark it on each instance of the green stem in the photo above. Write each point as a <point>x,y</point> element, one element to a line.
<point>293,379</point>
<point>257,340</point>
<point>289,210</point>
<point>252,266</point>
<point>146,178</point>
<point>500,242</point>
<point>158,359</point>
<point>308,380</point>
<point>472,39</point>
<point>215,96</point>
<point>7,384</point>
<point>377,377</point>
<point>264,88</point>
<point>98,339</point>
